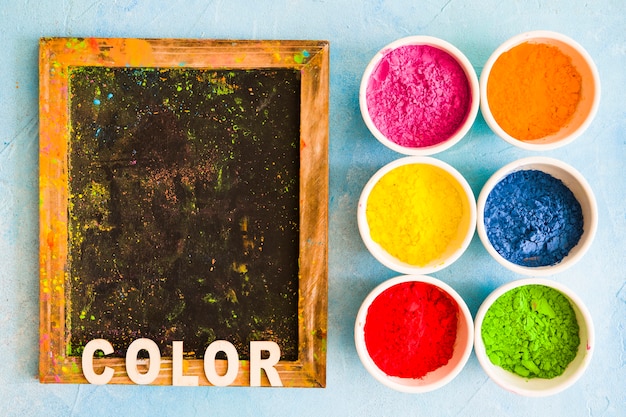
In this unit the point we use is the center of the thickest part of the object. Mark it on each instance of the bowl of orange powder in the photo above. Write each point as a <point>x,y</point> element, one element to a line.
<point>414,333</point>
<point>417,215</point>
<point>539,90</point>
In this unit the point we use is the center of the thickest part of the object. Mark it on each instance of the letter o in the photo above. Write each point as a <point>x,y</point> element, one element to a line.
<point>232,367</point>
<point>154,366</point>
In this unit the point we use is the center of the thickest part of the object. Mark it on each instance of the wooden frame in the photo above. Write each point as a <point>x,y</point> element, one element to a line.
<point>311,58</point>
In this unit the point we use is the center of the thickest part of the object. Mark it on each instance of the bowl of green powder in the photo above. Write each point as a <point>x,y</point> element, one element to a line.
<point>534,337</point>
<point>417,215</point>
<point>539,90</point>
<point>537,216</point>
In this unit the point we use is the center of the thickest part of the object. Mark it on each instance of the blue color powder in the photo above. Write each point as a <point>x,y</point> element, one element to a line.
<point>532,219</point>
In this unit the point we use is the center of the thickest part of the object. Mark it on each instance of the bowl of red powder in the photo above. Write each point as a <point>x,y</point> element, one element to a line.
<point>419,95</point>
<point>534,337</point>
<point>417,215</point>
<point>414,333</point>
<point>539,90</point>
<point>537,216</point>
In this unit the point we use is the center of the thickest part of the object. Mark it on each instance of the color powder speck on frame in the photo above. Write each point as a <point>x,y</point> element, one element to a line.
<point>418,96</point>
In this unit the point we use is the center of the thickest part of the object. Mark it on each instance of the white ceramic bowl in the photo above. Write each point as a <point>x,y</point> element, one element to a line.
<point>574,181</point>
<point>538,387</point>
<point>432,380</point>
<point>472,79</point>
<point>457,246</point>
<point>590,94</point>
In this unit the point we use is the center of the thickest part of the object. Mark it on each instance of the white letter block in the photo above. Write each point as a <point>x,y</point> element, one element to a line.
<point>90,348</point>
<point>257,363</point>
<point>209,363</point>
<point>178,379</point>
<point>154,355</point>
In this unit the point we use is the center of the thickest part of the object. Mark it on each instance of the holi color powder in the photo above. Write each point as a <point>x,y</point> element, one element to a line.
<point>418,96</point>
<point>531,331</point>
<point>532,219</point>
<point>415,212</point>
<point>533,90</point>
<point>410,329</point>
<point>184,207</point>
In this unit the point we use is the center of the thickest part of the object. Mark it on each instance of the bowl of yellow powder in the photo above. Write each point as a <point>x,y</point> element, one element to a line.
<point>417,215</point>
<point>534,337</point>
<point>539,90</point>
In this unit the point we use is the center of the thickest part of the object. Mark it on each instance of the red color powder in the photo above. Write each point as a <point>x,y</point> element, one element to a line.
<point>418,96</point>
<point>410,329</point>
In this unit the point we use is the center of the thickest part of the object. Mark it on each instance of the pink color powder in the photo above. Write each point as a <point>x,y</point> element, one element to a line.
<point>418,96</point>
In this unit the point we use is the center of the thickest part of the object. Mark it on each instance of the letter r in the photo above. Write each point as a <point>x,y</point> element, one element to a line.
<point>257,363</point>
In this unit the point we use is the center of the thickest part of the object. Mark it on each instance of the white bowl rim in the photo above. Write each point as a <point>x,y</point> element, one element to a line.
<point>575,300</point>
<point>375,249</point>
<point>591,224</point>
<point>368,363</point>
<point>472,80</point>
<point>514,41</point>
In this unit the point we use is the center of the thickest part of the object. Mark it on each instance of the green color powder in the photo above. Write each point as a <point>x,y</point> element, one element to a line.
<point>531,331</point>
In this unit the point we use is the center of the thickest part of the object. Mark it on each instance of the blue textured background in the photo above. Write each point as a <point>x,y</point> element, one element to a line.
<point>356,30</point>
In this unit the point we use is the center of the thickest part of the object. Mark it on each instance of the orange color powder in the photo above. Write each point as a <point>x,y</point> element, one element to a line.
<point>533,90</point>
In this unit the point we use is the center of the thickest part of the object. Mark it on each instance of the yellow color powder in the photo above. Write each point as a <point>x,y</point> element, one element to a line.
<point>533,90</point>
<point>415,211</point>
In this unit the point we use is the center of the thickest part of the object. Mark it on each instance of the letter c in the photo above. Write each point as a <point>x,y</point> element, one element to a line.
<point>87,362</point>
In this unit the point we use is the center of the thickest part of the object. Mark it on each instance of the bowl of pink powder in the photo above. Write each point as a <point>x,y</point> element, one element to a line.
<point>414,333</point>
<point>419,95</point>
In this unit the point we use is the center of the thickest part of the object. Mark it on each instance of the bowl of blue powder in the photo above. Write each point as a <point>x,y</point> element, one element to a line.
<point>537,216</point>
